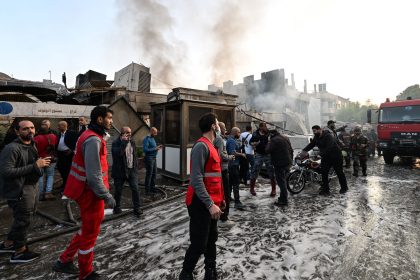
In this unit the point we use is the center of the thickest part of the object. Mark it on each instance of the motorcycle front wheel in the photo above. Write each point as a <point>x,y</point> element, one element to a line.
<point>295,182</point>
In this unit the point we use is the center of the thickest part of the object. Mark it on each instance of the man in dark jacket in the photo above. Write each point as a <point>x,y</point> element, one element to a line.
<point>83,123</point>
<point>124,168</point>
<point>19,174</point>
<point>65,150</point>
<point>331,157</point>
<point>281,152</point>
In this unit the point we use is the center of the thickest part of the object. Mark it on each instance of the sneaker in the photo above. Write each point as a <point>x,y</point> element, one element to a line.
<point>24,257</point>
<point>68,268</point>
<point>280,203</point>
<point>324,192</point>
<point>365,174</point>
<point>93,275</point>
<point>239,205</point>
<point>6,249</point>
<point>186,275</point>
<point>344,190</point>
<point>226,223</point>
<point>117,210</point>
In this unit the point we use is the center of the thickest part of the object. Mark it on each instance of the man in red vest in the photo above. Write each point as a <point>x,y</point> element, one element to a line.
<point>205,199</point>
<point>89,165</point>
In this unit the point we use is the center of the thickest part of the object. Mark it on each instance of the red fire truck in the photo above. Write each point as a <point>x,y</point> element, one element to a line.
<point>399,129</point>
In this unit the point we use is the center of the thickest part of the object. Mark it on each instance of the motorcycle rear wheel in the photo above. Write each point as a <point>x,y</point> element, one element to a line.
<point>295,184</point>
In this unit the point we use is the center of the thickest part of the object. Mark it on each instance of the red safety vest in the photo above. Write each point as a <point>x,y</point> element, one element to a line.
<point>76,182</point>
<point>212,176</point>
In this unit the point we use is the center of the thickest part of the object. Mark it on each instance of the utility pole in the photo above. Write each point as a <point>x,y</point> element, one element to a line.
<point>50,74</point>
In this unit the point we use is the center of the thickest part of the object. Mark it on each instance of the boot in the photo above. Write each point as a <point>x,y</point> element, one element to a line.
<point>210,274</point>
<point>186,275</point>
<point>252,187</point>
<point>238,203</point>
<point>273,188</point>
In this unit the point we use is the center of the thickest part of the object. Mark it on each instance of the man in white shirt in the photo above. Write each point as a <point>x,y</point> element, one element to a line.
<point>248,149</point>
<point>66,145</point>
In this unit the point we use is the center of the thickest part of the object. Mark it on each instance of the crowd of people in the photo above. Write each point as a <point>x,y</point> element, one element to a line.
<point>220,162</point>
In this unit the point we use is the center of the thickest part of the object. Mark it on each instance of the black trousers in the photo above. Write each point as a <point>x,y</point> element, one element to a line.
<point>336,162</point>
<point>281,174</point>
<point>134,186</point>
<point>243,169</point>
<point>234,181</point>
<point>203,237</point>
<point>64,164</point>
<point>23,211</point>
<point>227,190</point>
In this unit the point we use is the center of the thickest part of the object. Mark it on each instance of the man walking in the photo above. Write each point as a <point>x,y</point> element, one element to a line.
<point>233,147</point>
<point>20,170</point>
<point>248,149</point>
<point>65,150</point>
<point>46,142</point>
<point>344,138</point>
<point>260,140</point>
<point>150,149</point>
<point>204,200</point>
<point>359,146</point>
<point>330,157</point>
<point>88,186</point>
<point>281,152</point>
<point>124,168</point>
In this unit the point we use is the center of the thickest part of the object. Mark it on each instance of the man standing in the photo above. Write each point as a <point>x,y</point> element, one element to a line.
<point>233,147</point>
<point>46,142</point>
<point>20,170</point>
<point>124,168</point>
<point>88,186</point>
<point>330,157</point>
<point>345,137</point>
<point>204,200</point>
<point>333,131</point>
<point>248,149</point>
<point>83,123</point>
<point>150,149</point>
<point>281,152</point>
<point>220,144</point>
<point>359,146</point>
<point>65,150</point>
<point>259,140</point>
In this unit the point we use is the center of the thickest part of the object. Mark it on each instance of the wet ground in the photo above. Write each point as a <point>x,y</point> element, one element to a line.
<point>372,232</point>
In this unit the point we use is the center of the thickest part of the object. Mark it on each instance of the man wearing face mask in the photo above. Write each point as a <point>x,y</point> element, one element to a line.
<point>88,185</point>
<point>359,145</point>
<point>330,157</point>
<point>204,200</point>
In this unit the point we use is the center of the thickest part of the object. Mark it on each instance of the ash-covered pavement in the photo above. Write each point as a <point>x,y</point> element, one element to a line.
<point>372,232</point>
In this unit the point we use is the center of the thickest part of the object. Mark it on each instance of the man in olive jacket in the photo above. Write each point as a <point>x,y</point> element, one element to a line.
<point>281,152</point>
<point>20,170</point>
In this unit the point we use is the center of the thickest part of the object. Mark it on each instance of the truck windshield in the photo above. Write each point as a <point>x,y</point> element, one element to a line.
<point>400,114</point>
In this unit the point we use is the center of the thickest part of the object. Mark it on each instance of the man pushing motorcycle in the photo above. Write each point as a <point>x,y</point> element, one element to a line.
<point>331,157</point>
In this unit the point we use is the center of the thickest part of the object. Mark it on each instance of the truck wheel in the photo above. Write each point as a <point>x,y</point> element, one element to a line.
<point>388,157</point>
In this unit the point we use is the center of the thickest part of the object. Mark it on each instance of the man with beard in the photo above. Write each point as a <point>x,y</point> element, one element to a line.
<point>45,142</point>
<point>344,137</point>
<point>330,157</point>
<point>359,146</point>
<point>88,186</point>
<point>19,174</point>
<point>204,200</point>
<point>150,149</point>
<point>83,123</point>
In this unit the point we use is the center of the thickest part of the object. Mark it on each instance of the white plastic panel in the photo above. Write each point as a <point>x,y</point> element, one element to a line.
<point>172,160</point>
<point>159,159</point>
<point>188,160</point>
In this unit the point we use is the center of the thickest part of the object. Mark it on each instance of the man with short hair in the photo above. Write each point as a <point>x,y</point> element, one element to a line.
<point>204,200</point>
<point>20,170</point>
<point>124,168</point>
<point>330,157</point>
<point>83,123</point>
<point>65,150</point>
<point>88,185</point>
<point>359,145</point>
<point>150,149</point>
<point>233,147</point>
<point>248,150</point>
<point>46,142</point>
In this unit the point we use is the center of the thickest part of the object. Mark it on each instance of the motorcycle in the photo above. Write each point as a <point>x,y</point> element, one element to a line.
<point>305,171</point>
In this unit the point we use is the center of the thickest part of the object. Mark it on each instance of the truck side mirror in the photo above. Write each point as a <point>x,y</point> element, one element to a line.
<point>369,116</point>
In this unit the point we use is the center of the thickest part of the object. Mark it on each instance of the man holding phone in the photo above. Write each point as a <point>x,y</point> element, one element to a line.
<point>150,149</point>
<point>19,174</point>
<point>124,168</point>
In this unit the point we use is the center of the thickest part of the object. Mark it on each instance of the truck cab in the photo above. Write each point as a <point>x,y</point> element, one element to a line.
<point>399,129</point>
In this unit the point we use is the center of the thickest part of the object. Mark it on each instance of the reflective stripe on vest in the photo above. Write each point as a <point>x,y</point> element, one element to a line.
<point>212,174</point>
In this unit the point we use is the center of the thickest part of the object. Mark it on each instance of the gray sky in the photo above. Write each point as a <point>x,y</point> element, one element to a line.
<point>361,49</point>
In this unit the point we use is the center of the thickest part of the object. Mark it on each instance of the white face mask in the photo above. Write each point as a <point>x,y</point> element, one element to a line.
<point>107,136</point>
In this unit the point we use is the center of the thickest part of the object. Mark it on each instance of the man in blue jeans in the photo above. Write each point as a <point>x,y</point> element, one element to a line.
<point>150,149</point>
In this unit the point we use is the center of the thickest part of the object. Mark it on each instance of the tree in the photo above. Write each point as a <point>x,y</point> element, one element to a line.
<point>354,113</point>
<point>412,91</point>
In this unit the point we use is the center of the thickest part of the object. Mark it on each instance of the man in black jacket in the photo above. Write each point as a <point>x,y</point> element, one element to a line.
<point>281,152</point>
<point>331,157</point>
<point>65,150</point>
<point>19,174</point>
<point>124,168</point>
